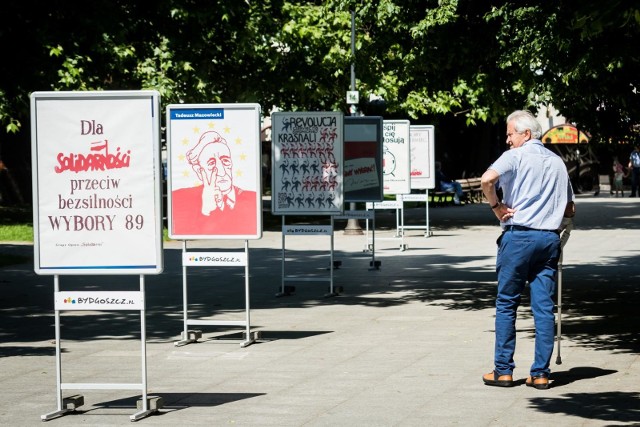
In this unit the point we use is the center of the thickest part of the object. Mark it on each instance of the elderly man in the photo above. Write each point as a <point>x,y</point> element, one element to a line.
<point>216,207</point>
<point>536,196</point>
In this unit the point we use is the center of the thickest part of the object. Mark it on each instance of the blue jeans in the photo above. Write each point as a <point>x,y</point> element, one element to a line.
<point>635,181</point>
<point>452,186</point>
<point>526,256</point>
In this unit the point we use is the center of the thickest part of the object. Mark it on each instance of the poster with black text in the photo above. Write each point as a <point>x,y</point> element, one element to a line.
<point>307,159</point>
<point>396,157</point>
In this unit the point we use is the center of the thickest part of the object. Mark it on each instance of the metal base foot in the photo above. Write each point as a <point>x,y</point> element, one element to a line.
<point>287,291</point>
<point>337,290</point>
<point>69,404</point>
<point>192,336</point>
<point>55,414</point>
<point>253,337</point>
<point>154,403</point>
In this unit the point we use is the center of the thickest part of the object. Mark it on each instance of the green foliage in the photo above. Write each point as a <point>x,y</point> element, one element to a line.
<point>579,60</point>
<point>16,233</point>
<point>428,59</point>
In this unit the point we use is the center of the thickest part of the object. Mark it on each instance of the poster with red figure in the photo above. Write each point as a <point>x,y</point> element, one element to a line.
<point>96,174</point>
<point>307,163</point>
<point>213,171</point>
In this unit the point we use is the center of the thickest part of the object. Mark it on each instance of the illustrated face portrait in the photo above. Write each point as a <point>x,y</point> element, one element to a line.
<point>215,161</point>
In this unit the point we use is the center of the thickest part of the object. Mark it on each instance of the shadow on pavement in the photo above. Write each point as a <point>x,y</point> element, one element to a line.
<point>610,406</point>
<point>599,300</point>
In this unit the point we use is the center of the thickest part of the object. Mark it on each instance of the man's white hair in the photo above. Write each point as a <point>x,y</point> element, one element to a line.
<point>210,137</point>
<point>524,120</point>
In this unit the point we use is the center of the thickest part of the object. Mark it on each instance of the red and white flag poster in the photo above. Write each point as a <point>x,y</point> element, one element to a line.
<point>96,180</point>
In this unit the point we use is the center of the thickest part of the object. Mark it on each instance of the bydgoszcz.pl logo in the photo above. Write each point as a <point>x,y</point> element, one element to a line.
<point>99,300</point>
<point>220,258</point>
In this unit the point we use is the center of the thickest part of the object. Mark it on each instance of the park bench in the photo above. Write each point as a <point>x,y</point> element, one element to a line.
<point>472,189</point>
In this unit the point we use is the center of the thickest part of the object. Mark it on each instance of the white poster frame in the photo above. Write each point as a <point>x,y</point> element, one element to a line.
<point>397,157</point>
<point>423,176</point>
<point>238,126</point>
<point>294,136</point>
<point>118,239</point>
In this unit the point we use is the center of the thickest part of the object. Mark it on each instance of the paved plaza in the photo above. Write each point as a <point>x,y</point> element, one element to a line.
<point>402,345</point>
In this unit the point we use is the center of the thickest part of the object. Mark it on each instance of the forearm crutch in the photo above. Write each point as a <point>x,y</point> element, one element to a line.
<point>564,237</point>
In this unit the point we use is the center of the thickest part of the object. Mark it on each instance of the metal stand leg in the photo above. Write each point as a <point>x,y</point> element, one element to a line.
<point>146,411</point>
<point>62,407</point>
<point>332,291</point>
<point>285,291</point>
<point>249,339</point>
<point>188,337</point>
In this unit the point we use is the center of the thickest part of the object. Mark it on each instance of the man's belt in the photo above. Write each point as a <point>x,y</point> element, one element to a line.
<point>523,228</point>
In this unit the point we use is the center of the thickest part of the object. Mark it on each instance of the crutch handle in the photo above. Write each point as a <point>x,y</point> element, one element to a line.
<point>565,233</point>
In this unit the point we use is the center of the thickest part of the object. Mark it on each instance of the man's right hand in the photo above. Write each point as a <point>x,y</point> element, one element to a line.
<point>211,194</point>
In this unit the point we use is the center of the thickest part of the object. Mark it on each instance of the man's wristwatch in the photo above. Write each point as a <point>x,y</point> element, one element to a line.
<point>495,206</point>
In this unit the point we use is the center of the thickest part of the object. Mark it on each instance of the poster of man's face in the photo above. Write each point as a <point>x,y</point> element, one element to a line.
<point>214,171</point>
<point>215,165</point>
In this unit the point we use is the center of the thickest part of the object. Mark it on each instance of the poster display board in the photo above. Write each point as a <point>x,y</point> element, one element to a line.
<point>363,159</point>
<point>213,167</point>
<point>96,182</point>
<point>307,163</point>
<point>396,156</point>
<point>422,157</point>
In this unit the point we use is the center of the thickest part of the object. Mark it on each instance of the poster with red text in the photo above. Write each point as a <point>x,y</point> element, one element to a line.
<point>422,157</point>
<point>96,182</point>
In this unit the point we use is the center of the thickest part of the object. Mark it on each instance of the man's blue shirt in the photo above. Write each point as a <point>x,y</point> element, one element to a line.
<point>534,182</point>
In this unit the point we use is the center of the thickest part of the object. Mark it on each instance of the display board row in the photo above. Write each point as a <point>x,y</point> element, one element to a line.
<point>98,174</point>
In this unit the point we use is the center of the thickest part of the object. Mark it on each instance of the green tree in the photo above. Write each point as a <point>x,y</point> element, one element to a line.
<point>578,56</point>
<point>459,62</point>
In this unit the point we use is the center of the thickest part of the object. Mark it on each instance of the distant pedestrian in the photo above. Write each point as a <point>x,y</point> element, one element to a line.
<point>443,183</point>
<point>634,168</point>
<point>618,176</point>
<point>536,196</point>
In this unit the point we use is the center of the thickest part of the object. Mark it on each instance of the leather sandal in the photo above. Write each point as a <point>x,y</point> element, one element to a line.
<point>493,379</point>
<point>540,382</point>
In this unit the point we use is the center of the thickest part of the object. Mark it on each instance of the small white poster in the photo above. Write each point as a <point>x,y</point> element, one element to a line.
<point>396,157</point>
<point>422,157</point>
